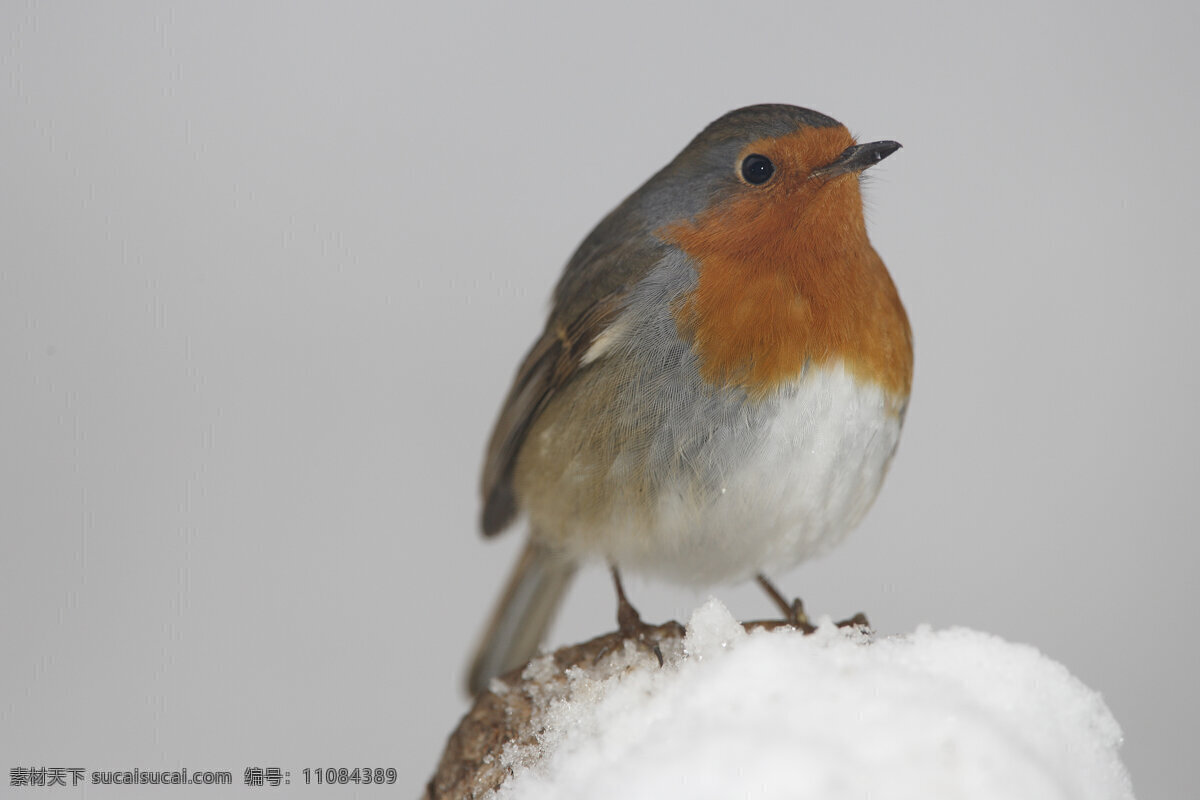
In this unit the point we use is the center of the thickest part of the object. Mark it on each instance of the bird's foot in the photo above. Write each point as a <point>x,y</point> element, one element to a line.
<point>794,614</point>
<point>859,620</point>
<point>630,625</point>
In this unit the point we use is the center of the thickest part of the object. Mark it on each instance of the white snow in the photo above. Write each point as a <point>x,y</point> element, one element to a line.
<point>932,714</point>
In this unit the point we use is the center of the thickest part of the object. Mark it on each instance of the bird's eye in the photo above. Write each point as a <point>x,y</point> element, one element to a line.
<point>757,169</point>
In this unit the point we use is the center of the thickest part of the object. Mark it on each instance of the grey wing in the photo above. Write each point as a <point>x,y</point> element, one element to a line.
<point>590,294</point>
<point>552,361</point>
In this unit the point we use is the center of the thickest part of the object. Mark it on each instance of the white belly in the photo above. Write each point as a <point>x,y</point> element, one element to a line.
<point>790,480</point>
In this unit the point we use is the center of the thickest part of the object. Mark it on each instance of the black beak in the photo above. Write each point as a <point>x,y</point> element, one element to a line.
<point>857,158</point>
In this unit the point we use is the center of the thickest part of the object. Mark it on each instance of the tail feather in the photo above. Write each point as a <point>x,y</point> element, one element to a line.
<point>523,614</point>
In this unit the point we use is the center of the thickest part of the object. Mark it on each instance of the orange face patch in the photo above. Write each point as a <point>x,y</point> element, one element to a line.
<point>787,276</point>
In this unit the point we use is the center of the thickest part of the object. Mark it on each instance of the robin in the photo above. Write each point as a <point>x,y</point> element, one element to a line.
<point>721,383</point>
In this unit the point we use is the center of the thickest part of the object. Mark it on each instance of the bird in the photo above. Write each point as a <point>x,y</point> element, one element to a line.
<point>721,382</point>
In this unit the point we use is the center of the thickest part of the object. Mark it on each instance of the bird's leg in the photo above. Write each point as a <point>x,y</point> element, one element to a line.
<point>629,621</point>
<point>793,613</point>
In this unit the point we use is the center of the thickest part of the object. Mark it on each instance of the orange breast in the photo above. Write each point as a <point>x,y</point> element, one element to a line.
<point>787,276</point>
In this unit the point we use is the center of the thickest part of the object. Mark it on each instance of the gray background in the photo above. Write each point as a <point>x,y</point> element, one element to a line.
<point>267,269</point>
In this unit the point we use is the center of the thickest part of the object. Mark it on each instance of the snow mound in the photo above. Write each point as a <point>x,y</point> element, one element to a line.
<point>837,714</point>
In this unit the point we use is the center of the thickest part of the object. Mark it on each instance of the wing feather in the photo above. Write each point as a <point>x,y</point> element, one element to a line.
<point>549,365</point>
